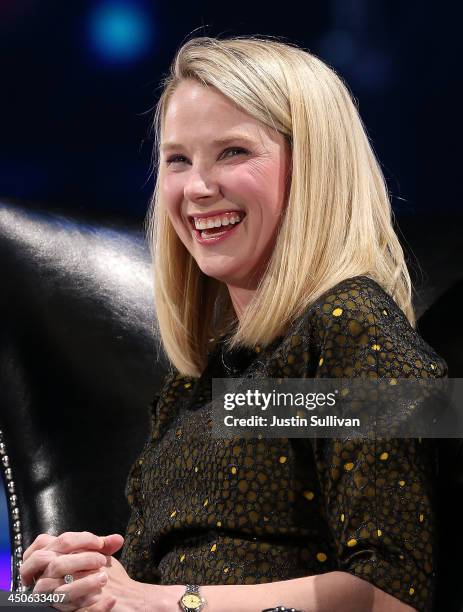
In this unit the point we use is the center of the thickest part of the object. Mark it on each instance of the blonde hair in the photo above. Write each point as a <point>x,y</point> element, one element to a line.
<point>338,222</point>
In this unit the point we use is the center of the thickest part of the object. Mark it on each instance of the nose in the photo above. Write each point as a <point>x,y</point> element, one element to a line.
<point>201,188</point>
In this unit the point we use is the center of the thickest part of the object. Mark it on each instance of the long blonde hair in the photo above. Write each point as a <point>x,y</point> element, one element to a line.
<point>338,222</point>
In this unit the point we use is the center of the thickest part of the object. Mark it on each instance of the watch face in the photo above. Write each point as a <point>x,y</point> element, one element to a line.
<point>191,600</point>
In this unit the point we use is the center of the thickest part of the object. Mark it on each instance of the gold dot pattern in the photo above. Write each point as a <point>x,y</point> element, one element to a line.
<point>359,506</point>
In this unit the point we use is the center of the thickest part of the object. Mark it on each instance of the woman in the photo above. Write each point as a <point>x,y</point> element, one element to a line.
<point>274,256</point>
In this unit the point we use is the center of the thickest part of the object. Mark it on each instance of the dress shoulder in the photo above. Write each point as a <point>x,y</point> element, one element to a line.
<point>360,330</point>
<point>378,493</point>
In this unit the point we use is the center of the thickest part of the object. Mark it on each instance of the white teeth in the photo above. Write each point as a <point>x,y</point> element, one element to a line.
<point>212,222</point>
<point>208,236</point>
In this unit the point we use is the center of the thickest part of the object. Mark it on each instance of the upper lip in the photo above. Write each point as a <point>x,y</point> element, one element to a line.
<point>214,213</point>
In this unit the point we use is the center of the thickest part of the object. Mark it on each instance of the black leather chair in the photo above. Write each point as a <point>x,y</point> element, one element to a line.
<point>79,367</point>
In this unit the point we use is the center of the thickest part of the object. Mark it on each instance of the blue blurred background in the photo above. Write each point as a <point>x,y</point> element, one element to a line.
<point>5,567</point>
<point>79,81</point>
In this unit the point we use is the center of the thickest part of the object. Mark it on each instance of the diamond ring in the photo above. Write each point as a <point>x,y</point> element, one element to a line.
<point>68,578</point>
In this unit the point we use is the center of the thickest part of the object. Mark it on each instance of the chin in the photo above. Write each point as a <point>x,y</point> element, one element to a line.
<point>224,276</point>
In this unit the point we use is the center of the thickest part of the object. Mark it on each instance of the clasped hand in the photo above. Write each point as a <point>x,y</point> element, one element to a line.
<point>100,581</point>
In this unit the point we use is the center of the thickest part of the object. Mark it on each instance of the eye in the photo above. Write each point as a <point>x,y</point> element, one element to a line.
<point>175,159</point>
<point>234,151</point>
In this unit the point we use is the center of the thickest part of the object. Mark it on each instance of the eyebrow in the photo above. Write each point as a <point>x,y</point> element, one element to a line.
<point>167,146</point>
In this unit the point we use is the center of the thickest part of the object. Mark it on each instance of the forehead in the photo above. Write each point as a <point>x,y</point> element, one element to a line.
<point>194,108</point>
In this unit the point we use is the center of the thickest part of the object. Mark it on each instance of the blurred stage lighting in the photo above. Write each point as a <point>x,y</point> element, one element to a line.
<point>120,31</point>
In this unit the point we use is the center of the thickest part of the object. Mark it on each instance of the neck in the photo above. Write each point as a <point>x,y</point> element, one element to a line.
<point>240,298</point>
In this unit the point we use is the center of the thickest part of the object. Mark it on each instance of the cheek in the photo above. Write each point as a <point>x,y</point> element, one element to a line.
<point>171,197</point>
<point>266,185</point>
<point>171,192</point>
<point>276,188</point>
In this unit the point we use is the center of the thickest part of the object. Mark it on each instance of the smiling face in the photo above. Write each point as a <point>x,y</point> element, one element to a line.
<point>222,182</point>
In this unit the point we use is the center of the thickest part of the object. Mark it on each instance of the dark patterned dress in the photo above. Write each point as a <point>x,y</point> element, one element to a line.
<point>246,511</point>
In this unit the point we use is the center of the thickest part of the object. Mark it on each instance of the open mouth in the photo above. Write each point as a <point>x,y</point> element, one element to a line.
<point>213,228</point>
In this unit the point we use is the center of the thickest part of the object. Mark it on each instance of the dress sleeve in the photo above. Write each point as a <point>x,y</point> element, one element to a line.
<point>136,552</point>
<point>378,493</point>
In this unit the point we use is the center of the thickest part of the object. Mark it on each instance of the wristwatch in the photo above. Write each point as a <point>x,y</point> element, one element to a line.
<point>191,600</point>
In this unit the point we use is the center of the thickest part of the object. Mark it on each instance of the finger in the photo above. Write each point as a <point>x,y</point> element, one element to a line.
<point>83,589</point>
<point>75,562</point>
<point>48,564</point>
<point>47,585</point>
<point>40,541</point>
<point>71,541</point>
<point>112,543</point>
<point>107,546</point>
<point>90,601</point>
<point>35,565</point>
